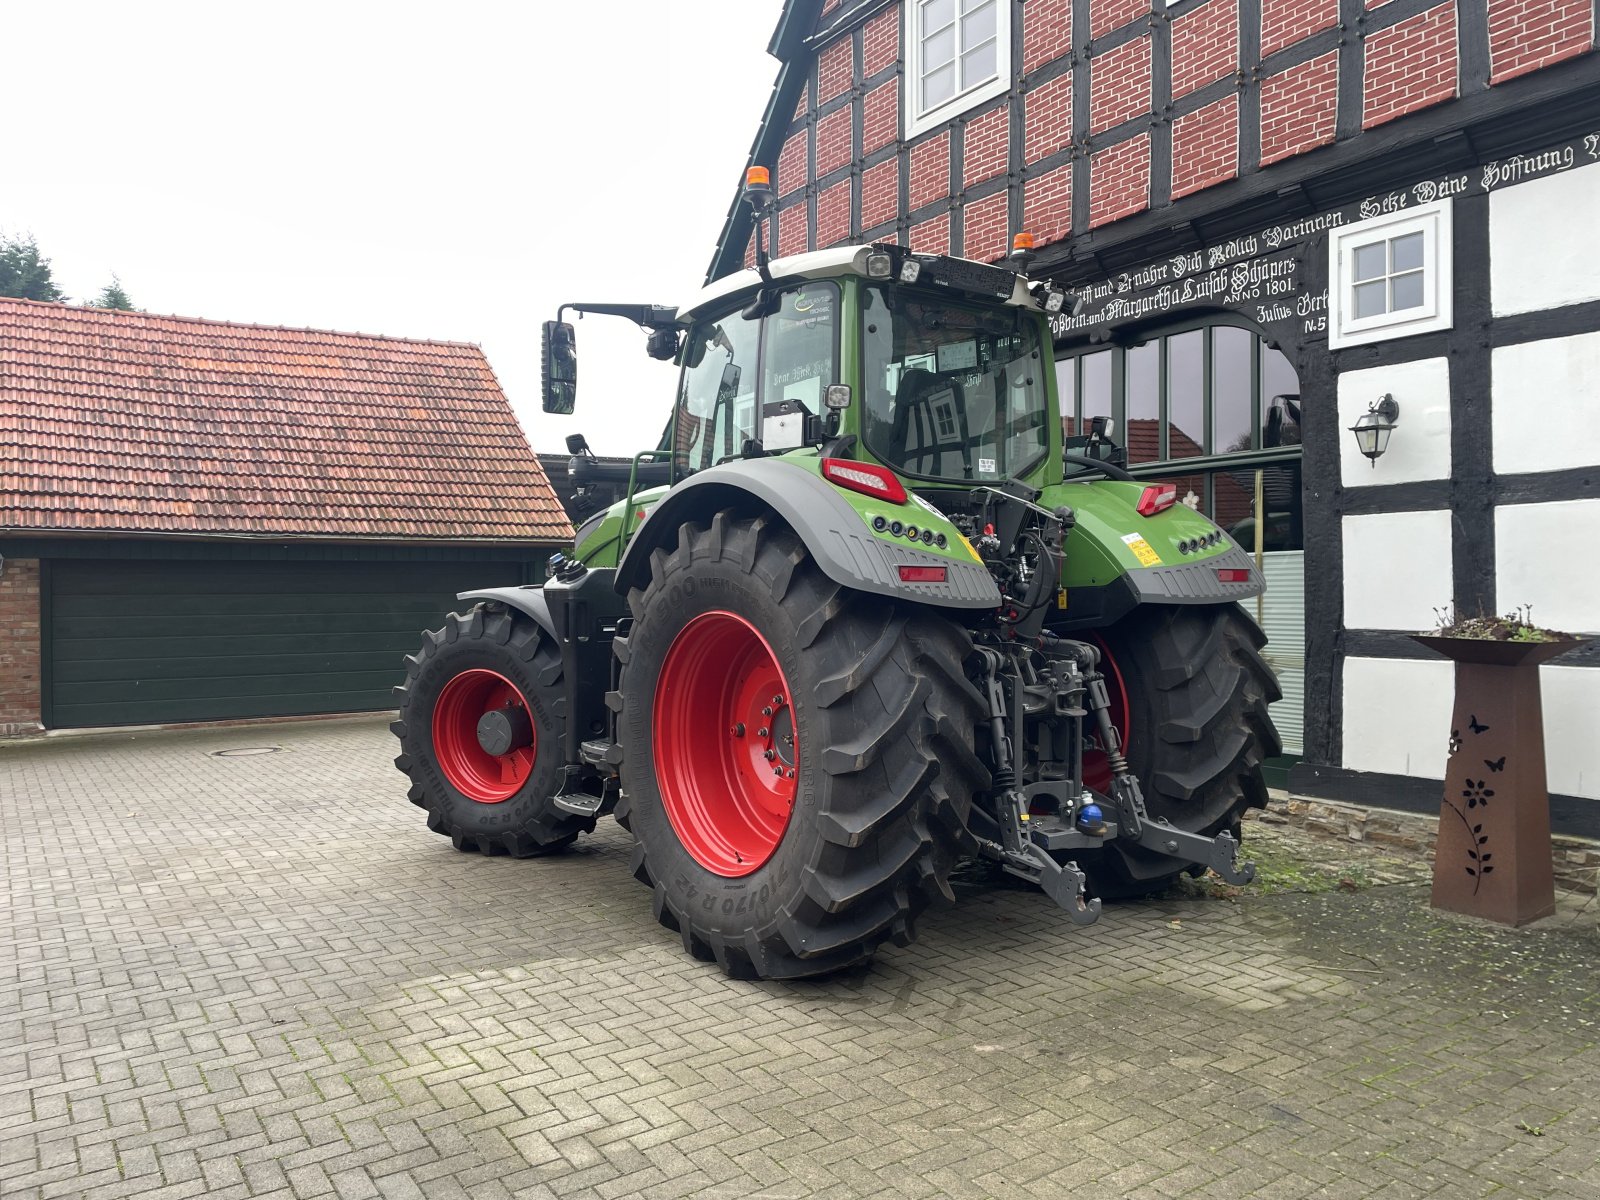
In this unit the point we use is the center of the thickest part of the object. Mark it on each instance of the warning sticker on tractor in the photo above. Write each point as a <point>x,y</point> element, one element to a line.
<point>1142,550</point>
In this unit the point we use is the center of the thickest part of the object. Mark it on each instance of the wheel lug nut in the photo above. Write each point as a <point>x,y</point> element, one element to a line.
<point>791,773</point>
<point>762,732</point>
<point>777,700</point>
<point>777,771</point>
<point>738,729</point>
<point>766,712</point>
<point>769,755</point>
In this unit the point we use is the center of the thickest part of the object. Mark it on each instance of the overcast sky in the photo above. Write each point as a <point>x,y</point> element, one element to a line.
<point>421,170</point>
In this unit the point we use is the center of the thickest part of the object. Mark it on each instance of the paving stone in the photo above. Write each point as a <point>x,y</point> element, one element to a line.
<point>262,976</point>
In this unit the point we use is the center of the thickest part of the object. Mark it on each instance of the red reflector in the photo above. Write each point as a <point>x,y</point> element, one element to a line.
<point>864,478</point>
<point>1233,575</point>
<point>921,574</point>
<point>1158,497</point>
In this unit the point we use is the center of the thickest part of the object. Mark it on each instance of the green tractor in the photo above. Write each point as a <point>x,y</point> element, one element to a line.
<point>860,615</point>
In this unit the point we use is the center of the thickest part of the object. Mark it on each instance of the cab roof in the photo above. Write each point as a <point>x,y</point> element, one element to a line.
<point>815,264</point>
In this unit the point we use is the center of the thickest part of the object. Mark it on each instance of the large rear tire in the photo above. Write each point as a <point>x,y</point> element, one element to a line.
<point>489,661</point>
<point>798,759</point>
<point>1194,691</point>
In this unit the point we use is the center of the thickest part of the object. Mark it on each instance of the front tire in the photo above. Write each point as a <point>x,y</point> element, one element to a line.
<point>1190,688</point>
<point>488,661</point>
<point>806,861</point>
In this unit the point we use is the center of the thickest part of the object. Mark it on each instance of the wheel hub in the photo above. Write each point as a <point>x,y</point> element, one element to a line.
<point>502,730</point>
<point>484,738</point>
<point>726,744</point>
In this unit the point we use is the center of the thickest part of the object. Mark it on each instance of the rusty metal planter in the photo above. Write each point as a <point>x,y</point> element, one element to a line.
<point>1493,858</point>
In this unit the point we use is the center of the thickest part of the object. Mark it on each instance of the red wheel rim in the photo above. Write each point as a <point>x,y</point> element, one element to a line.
<point>1096,766</point>
<point>470,769</point>
<point>726,746</point>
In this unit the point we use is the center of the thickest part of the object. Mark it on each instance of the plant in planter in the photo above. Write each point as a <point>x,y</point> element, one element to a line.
<point>1493,854</point>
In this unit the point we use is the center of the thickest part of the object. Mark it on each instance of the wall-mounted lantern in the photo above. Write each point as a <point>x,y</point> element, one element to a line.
<point>1374,426</point>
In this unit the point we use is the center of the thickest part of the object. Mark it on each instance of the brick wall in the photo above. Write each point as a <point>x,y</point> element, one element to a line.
<point>1106,15</point>
<point>1047,118</point>
<point>1205,147</point>
<point>984,235</point>
<point>1047,205</point>
<point>880,193</point>
<point>833,141</point>
<point>1284,22</point>
<point>833,215</point>
<point>932,237</point>
<point>1205,46</point>
<point>1106,75</point>
<point>1046,32</point>
<point>985,146</point>
<point>1119,85</point>
<point>19,645</point>
<point>881,41</point>
<point>1525,35</point>
<point>1410,66</point>
<point>930,171</point>
<point>880,116</point>
<point>1298,107</point>
<point>1119,181</point>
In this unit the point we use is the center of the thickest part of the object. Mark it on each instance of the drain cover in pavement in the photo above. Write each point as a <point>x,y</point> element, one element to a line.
<point>245,751</point>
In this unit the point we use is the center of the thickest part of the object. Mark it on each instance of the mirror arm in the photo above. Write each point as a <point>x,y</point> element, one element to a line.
<point>646,316</point>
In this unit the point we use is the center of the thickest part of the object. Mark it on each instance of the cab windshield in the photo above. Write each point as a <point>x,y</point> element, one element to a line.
<point>736,366</point>
<point>952,392</point>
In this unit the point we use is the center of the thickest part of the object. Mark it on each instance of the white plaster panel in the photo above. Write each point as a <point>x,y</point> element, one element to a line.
<point>1397,715</point>
<point>1419,447</point>
<point>1571,700</point>
<point>1544,555</point>
<point>1546,410</point>
<point>1396,570</point>
<point>1541,237</point>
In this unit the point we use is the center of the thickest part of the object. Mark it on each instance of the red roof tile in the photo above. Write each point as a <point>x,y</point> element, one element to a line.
<point>117,422</point>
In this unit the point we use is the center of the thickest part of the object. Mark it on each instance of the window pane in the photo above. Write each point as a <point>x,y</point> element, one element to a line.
<point>938,50</point>
<point>1280,498</point>
<point>1142,427</point>
<point>1067,386</point>
<point>1233,503</point>
<point>1280,400</point>
<point>1369,299</point>
<point>978,25</point>
<point>936,14</point>
<point>1407,252</point>
<point>1231,401</point>
<point>1407,291</point>
<point>977,65</point>
<point>1097,386</point>
<point>1186,395</point>
<point>1369,261</point>
<point>939,86</point>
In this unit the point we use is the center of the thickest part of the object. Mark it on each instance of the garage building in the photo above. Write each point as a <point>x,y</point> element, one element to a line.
<point>205,521</point>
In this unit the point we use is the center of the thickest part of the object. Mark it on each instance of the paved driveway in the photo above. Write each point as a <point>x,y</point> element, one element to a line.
<point>260,975</point>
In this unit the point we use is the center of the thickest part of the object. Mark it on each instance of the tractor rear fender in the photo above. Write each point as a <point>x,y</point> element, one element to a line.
<point>836,532</point>
<point>528,599</point>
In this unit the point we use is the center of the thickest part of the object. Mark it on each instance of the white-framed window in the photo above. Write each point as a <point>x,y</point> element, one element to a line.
<point>958,55</point>
<point>1389,276</point>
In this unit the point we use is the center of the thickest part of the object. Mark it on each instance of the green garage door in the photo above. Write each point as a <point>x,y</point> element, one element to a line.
<point>149,642</point>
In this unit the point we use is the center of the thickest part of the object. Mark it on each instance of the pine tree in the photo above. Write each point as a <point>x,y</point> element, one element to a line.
<point>113,296</point>
<point>24,272</point>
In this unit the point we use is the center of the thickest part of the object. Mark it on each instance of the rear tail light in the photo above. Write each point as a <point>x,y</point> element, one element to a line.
<point>922,574</point>
<point>1158,497</point>
<point>864,478</point>
<point>1233,575</point>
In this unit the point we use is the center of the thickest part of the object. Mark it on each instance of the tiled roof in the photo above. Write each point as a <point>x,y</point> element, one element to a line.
<point>115,422</point>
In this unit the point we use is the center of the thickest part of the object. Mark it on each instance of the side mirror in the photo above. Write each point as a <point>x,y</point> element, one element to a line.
<point>559,363</point>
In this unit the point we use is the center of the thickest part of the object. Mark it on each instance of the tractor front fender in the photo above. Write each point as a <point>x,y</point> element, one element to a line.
<point>528,599</point>
<point>837,535</point>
